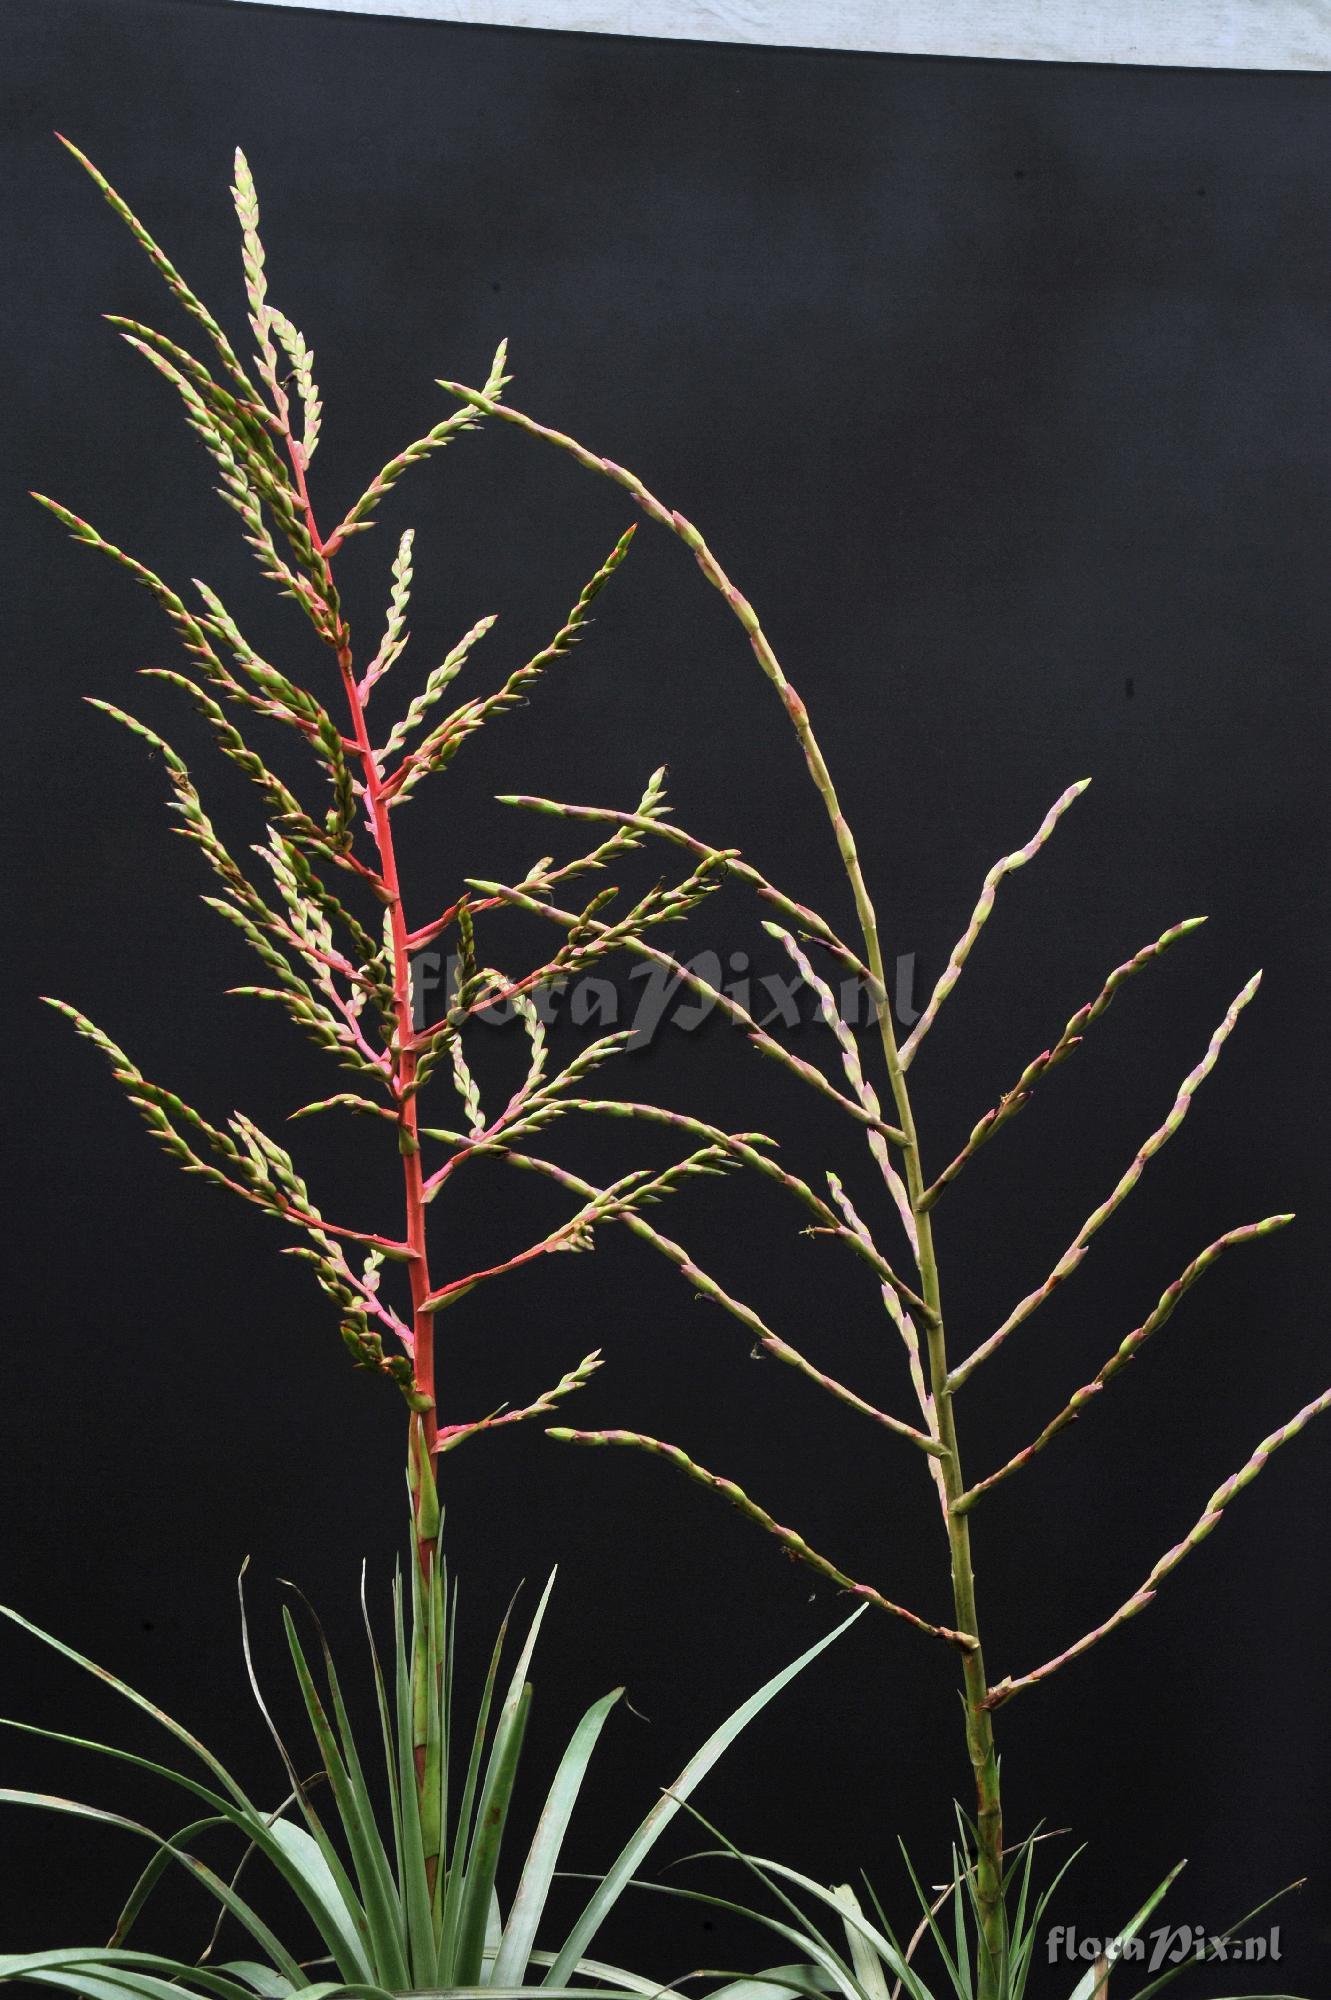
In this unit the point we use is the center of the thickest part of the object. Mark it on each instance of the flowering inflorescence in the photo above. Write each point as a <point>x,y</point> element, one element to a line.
<point>323,910</point>
<point>913,1302</point>
<point>330,930</point>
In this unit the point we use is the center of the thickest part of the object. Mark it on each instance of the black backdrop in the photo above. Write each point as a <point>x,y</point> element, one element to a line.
<point>1003,390</point>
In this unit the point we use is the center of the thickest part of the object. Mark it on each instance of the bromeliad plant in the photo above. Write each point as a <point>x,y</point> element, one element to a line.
<point>910,1190</point>
<point>417,1906</point>
<point>413,1907</point>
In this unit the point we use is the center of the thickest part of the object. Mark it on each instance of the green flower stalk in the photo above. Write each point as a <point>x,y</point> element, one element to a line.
<point>913,1302</point>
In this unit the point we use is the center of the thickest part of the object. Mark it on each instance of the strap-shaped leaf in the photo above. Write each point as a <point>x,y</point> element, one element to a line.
<point>234,1903</point>
<point>630,1859</point>
<point>374,1877</point>
<point>528,1907</point>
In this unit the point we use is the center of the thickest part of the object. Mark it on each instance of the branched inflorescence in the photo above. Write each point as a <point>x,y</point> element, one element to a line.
<point>323,910</point>
<point>913,1302</point>
<point>335,942</point>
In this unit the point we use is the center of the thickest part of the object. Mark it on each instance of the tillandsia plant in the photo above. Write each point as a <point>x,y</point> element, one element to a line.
<point>323,911</point>
<point>880,1112</point>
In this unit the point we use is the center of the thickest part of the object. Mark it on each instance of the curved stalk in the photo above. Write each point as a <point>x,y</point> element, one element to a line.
<point>979,1720</point>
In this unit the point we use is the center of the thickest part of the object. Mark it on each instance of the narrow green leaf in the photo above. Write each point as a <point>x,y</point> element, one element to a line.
<point>1085,1989</point>
<point>222,1891</point>
<point>866,1961</point>
<point>153,1874</point>
<point>413,1883</point>
<point>391,1771</point>
<point>807,1939</point>
<point>373,1875</point>
<point>609,1890</point>
<point>1231,1931</point>
<point>356,1964</point>
<point>112,1983</point>
<point>487,1838</point>
<point>452,1903</point>
<point>543,1856</point>
<point>613,1975</point>
<point>340,1928</point>
<point>248,1819</point>
<point>269,1985</point>
<point>926,1906</point>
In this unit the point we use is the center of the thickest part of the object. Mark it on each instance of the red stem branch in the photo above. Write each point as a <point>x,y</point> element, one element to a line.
<point>404,1062</point>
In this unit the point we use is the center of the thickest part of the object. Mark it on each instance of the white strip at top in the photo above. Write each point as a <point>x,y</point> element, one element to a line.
<point>1192,34</point>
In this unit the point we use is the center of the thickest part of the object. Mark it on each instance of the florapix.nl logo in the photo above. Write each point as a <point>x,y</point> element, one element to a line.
<point>1166,1945</point>
<point>652,996</point>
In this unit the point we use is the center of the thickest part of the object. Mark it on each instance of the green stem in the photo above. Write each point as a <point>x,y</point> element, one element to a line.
<point>979,1721</point>
<point>979,1718</point>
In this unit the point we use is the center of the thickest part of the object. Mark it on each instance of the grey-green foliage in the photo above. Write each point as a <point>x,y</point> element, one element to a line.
<point>846,1948</point>
<point>392,1856</point>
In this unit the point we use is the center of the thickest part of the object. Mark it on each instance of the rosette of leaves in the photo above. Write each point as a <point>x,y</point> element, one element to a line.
<point>390,1855</point>
<point>847,1949</point>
